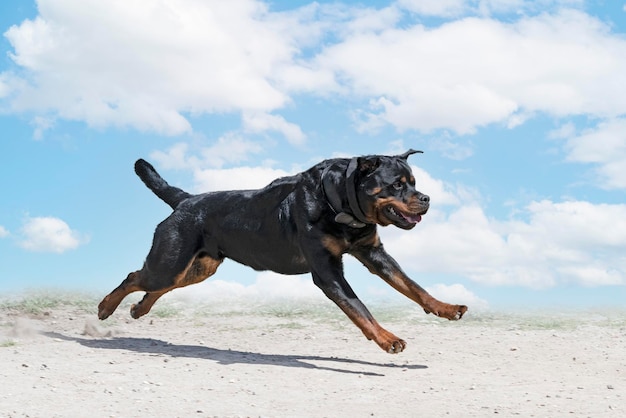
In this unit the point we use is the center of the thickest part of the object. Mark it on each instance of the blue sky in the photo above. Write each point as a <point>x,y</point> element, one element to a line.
<point>520,107</point>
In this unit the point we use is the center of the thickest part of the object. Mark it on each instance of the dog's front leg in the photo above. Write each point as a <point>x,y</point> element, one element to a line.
<point>328,276</point>
<point>379,262</point>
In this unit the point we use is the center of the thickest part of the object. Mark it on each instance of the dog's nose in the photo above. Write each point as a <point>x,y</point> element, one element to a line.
<point>424,198</point>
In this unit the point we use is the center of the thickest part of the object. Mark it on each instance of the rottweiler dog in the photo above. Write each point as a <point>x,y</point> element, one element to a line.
<point>298,224</point>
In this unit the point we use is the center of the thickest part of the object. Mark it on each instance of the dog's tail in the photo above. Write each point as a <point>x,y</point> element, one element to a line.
<point>169,194</point>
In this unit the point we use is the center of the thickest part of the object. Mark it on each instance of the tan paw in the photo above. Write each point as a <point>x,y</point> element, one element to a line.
<point>451,312</point>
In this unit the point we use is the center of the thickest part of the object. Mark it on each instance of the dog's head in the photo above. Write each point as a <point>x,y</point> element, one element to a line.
<point>386,191</point>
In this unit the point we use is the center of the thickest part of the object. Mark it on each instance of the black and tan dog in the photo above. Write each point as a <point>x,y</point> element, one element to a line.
<point>298,224</point>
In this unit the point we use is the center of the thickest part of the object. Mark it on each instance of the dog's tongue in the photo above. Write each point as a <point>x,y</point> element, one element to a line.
<point>413,219</point>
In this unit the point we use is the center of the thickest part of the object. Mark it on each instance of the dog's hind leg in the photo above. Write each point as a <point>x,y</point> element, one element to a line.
<point>110,303</point>
<point>175,259</point>
<point>201,267</point>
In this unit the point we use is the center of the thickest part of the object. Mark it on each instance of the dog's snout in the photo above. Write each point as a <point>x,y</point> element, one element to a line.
<point>424,198</point>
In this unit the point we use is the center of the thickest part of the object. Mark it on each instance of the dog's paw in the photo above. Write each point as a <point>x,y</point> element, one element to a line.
<point>103,311</point>
<point>396,347</point>
<point>451,312</point>
<point>460,311</point>
<point>135,311</point>
<point>390,343</point>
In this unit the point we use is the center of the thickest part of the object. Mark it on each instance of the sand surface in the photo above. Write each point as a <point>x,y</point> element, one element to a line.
<point>299,360</point>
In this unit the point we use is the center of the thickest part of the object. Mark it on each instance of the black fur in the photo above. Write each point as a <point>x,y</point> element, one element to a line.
<point>170,195</point>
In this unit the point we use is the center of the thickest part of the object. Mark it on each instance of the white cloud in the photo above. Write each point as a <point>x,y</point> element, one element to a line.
<point>267,286</point>
<point>366,19</point>
<point>441,193</point>
<point>238,178</point>
<point>579,223</point>
<point>3,232</point>
<point>452,150</point>
<point>457,294</point>
<point>443,8</point>
<point>175,158</point>
<point>228,149</point>
<point>49,234</point>
<point>4,85</point>
<point>146,65</point>
<point>261,122</point>
<point>605,147</point>
<point>564,131</point>
<point>150,66</point>
<point>41,125</point>
<point>452,8</point>
<point>472,72</point>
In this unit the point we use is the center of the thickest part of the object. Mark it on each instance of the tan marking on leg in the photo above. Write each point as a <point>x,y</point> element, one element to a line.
<point>110,302</point>
<point>336,246</point>
<point>369,241</point>
<point>389,271</point>
<point>373,331</point>
<point>200,268</point>
<point>431,305</point>
<point>144,305</point>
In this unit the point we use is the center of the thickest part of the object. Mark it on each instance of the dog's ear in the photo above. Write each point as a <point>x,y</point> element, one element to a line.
<point>367,165</point>
<point>409,152</point>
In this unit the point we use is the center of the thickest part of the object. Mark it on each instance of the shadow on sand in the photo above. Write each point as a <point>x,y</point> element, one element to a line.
<point>227,357</point>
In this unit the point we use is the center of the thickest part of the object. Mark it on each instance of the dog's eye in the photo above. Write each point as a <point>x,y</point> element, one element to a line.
<point>397,185</point>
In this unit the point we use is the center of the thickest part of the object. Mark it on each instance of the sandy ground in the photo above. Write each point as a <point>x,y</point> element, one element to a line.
<point>294,360</point>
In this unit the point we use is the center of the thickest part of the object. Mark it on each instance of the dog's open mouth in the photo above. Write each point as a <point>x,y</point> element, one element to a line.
<point>402,218</point>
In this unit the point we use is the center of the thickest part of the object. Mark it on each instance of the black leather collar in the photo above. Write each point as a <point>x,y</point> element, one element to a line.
<point>357,218</point>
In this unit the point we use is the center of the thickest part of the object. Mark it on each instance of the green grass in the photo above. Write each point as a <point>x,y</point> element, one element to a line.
<point>41,302</point>
<point>165,310</point>
<point>8,343</point>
